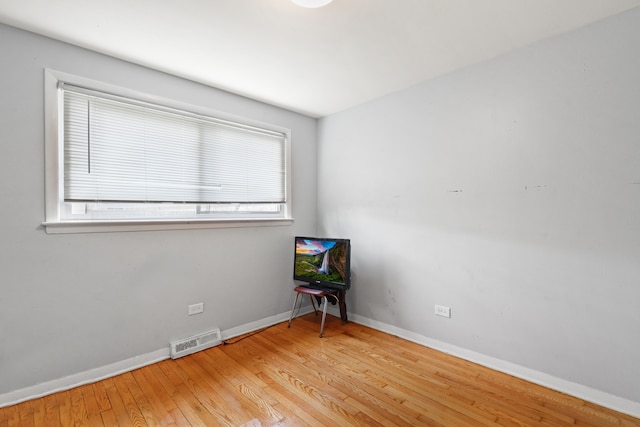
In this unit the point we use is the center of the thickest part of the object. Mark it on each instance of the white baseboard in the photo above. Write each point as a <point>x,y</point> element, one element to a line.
<point>262,323</point>
<point>583,392</point>
<point>113,369</point>
<point>589,394</point>
<point>81,378</point>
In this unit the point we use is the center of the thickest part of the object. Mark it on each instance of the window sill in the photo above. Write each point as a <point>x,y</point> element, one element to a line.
<point>68,227</point>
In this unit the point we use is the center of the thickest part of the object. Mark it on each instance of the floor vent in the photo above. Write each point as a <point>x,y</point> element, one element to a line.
<point>195,343</point>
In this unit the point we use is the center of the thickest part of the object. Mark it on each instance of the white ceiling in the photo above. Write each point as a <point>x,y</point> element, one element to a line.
<point>314,61</point>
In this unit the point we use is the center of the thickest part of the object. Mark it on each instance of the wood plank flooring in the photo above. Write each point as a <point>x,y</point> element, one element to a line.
<point>289,377</point>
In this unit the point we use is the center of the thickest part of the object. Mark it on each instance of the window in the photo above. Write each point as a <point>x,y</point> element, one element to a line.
<point>122,160</point>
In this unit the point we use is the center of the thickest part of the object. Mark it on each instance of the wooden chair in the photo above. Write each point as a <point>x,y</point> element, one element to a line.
<point>313,293</point>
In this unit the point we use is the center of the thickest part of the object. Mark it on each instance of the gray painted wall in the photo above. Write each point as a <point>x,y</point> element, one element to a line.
<point>510,192</point>
<point>71,303</point>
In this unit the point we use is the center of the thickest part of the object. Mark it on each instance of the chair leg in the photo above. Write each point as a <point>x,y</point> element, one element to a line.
<point>324,314</point>
<point>293,309</point>
<point>313,303</point>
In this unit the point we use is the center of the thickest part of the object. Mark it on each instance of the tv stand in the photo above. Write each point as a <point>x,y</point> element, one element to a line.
<point>324,294</point>
<point>341,297</point>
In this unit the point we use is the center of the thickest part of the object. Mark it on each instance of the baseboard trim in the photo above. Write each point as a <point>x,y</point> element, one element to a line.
<point>607,400</point>
<point>589,394</point>
<point>117,368</point>
<point>82,378</point>
<point>262,323</point>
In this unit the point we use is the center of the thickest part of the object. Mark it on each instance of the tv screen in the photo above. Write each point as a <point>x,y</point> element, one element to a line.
<point>323,262</point>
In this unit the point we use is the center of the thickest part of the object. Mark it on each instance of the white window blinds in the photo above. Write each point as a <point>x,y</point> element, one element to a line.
<point>121,150</point>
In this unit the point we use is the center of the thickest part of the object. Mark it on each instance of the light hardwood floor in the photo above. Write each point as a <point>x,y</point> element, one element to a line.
<point>290,377</point>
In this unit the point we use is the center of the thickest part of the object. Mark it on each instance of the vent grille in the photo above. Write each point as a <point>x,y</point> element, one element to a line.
<point>195,343</point>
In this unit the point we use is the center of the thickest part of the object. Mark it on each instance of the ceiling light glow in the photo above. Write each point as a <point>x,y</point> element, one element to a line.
<point>312,3</point>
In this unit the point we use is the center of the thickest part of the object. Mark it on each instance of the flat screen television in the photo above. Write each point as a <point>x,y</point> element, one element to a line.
<point>322,262</point>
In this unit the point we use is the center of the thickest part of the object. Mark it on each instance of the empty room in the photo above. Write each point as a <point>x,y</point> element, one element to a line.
<point>320,212</point>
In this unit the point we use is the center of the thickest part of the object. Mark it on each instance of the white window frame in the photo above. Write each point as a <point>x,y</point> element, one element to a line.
<point>58,222</point>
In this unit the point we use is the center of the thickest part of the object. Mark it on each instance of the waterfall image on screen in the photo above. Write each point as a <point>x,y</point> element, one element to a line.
<point>321,261</point>
<point>324,268</point>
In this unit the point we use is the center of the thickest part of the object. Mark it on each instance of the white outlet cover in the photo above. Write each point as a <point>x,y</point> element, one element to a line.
<point>195,308</point>
<point>441,310</point>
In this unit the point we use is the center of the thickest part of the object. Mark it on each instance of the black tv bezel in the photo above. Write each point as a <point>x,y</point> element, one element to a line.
<point>320,284</point>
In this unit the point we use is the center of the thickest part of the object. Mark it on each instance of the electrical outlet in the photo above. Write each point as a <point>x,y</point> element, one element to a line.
<point>195,308</point>
<point>443,311</point>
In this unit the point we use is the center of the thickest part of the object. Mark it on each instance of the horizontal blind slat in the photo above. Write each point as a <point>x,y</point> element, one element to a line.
<point>125,152</point>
